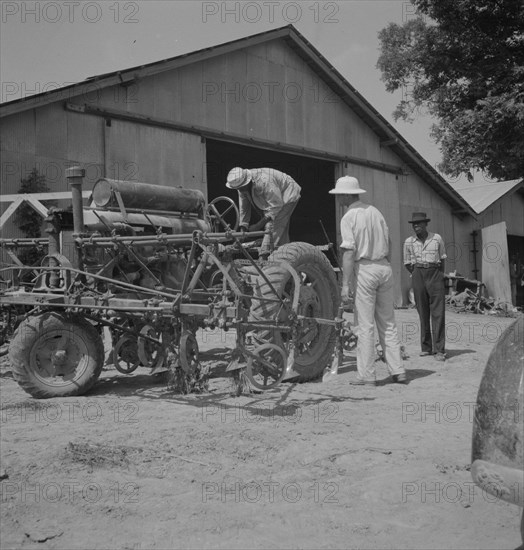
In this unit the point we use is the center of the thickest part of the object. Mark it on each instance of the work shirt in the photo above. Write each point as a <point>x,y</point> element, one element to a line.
<point>431,251</point>
<point>269,191</point>
<point>365,231</point>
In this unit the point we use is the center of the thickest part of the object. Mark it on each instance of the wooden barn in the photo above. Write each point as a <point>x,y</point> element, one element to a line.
<point>270,99</point>
<point>498,233</point>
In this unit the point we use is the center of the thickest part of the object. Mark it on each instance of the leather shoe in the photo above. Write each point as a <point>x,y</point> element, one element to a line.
<point>440,356</point>
<point>400,378</point>
<point>424,353</point>
<point>359,382</point>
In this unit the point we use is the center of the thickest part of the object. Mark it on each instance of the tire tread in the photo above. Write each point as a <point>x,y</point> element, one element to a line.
<point>296,253</point>
<point>25,337</point>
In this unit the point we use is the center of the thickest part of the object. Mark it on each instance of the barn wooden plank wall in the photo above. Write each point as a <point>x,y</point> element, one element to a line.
<point>264,91</point>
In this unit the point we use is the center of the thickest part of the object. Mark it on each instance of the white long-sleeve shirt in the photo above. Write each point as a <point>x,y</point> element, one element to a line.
<point>269,192</point>
<point>365,231</point>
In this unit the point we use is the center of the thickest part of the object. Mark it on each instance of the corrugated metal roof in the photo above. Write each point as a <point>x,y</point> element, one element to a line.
<point>480,197</point>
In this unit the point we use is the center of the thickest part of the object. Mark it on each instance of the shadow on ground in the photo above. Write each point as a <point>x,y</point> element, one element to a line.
<point>456,352</point>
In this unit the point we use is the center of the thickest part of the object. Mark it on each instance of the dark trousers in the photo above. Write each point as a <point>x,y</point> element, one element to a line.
<point>429,291</point>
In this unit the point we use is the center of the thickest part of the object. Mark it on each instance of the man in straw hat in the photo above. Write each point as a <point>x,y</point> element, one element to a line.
<point>368,274</point>
<point>424,255</point>
<point>271,193</point>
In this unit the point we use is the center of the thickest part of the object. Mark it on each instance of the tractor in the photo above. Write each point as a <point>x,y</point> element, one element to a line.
<point>150,265</point>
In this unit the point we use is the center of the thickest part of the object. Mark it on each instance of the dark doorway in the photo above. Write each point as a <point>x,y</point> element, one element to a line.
<point>315,177</point>
<point>516,260</point>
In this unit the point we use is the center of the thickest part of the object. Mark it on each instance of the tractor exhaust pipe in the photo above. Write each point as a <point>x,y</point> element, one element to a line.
<point>75,177</point>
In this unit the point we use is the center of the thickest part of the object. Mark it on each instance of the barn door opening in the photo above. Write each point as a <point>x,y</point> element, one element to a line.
<point>315,177</point>
<point>516,260</point>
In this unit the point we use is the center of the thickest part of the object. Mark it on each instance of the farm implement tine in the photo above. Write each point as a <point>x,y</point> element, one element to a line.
<point>338,352</point>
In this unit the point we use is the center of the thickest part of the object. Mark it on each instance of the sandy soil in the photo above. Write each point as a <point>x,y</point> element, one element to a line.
<point>131,465</point>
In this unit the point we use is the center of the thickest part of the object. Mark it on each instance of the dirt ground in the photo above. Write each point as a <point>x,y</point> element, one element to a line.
<point>133,466</point>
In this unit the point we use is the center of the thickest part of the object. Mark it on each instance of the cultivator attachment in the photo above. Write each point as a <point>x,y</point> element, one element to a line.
<point>345,341</point>
<point>152,265</point>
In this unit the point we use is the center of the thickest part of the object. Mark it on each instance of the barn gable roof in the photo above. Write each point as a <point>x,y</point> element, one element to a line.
<point>482,197</point>
<point>387,134</point>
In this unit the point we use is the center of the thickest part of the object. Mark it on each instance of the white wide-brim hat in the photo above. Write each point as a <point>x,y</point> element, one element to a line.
<point>347,185</point>
<point>238,177</point>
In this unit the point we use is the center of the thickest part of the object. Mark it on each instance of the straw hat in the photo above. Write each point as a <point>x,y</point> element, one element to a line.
<point>238,177</point>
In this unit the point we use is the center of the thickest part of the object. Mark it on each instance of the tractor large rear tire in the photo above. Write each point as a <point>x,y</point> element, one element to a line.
<point>319,297</point>
<point>55,355</point>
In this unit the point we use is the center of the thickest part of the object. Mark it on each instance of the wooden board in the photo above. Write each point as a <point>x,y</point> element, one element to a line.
<point>167,100</point>
<point>85,142</point>
<point>51,131</point>
<point>212,94</point>
<point>495,262</point>
<point>154,155</point>
<point>17,133</point>
<point>236,90</point>
<point>258,74</point>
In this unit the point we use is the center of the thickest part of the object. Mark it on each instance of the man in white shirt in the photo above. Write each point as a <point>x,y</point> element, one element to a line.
<point>271,193</point>
<point>368,274</point>
<point>424,255</point>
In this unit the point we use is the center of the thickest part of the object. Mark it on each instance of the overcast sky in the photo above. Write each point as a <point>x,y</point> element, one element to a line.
<point>48,44</point>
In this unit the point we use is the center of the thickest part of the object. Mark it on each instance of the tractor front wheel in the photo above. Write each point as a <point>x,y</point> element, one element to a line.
<point>55,355</point>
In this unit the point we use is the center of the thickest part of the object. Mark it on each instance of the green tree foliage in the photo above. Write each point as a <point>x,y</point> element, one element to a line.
<point>463,60</point>
<point>28,220</point>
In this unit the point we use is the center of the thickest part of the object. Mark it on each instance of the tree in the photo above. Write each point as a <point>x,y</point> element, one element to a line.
<point>28,220</point>
<point>463,60</point>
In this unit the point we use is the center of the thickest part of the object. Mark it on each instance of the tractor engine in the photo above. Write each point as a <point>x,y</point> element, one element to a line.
<point>142,212</point>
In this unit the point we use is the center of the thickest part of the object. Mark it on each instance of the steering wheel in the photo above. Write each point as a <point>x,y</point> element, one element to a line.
<point>223,214</point>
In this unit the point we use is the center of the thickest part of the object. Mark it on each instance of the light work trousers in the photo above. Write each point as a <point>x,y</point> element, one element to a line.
<point>374,303</point>
<point>280,226</point>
